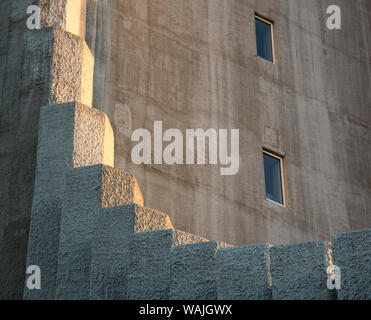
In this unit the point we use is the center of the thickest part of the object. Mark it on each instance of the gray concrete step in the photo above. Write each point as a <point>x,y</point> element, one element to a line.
<point>87,190</point>
<point>149,268</point>
<point>193,271</point>
<point>352,255</point>
<point>243,273</point>
<point>114,231</point>
<point>70,135</point>
<point>299,271</point>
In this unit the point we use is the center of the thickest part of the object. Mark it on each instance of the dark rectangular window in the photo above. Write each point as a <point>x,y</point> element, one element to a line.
<point>264,39</point>
<point>273,174</point>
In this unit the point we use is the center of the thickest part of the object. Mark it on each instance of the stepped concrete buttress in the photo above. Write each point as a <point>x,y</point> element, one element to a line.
<point>352,254</point>
<point>91,235</point>
<point>87,189</point>
<point>93,239</point>
<point>70,135</point>
<point>114,228</point>
<point>299,271</point>
<point>149,268</point>
<point>42,67</point>
<point>243,273</point>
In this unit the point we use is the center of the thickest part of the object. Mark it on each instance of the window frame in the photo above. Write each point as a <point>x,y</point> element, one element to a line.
<point>283,177</point>
<point>273,37</point>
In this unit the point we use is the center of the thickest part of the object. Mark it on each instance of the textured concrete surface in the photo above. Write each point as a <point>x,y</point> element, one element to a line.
<point>299,271</point>
<point>352,254</point>
<point>149,268</point>
<point>61,62</point>
<point>193,271</point>
<point>193,64</point>
<point>87,189</point>
<point>69,15</point>
<point>243,273</point>
<point>37,68</point>
<point>93,138</point>
<point>113,232</point>
<point>70,135</point>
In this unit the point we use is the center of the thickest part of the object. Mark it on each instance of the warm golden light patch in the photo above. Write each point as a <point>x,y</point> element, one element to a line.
<point>87,77</point>
<point>76,17</point>
<point>69,15</point>
<point>108,144</point>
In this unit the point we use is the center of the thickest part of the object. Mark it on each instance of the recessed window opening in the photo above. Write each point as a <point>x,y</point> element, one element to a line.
<point>274,178</point>
<point>265,38</point>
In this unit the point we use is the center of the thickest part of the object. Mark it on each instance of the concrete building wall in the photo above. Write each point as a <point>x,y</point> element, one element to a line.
<point>96,241</point>
<point>18,144</point>
<point>193,64</point>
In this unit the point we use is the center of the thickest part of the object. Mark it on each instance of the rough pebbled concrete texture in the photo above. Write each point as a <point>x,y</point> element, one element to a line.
<point>68,15</point>
<point>119,187</point>
<point>193,271</point>
<point>62,62</point>
<point>114,228</point>
<point>179,60</point>
<point>299,271</point>
<point>70,135</point>
<point>37,68</point>
<point>87,189</point>
<point>352,254</point>
<point>93,138</point>
<point>243,273</point>
<point>149,268</point>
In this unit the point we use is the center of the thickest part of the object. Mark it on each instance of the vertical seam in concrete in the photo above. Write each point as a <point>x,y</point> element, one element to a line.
<point>5,67</point>
<point>270,283</point>
<point>108,7</point>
